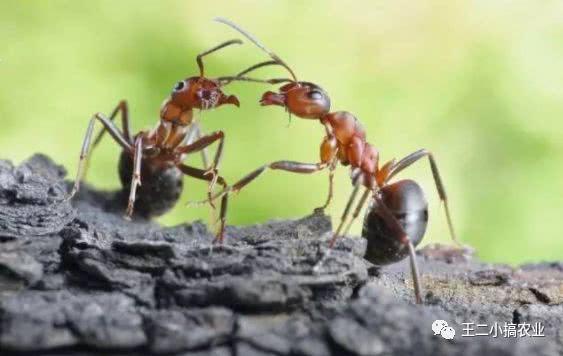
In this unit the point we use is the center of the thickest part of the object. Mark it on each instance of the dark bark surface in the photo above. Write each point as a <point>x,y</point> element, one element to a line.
<point>81,280</point>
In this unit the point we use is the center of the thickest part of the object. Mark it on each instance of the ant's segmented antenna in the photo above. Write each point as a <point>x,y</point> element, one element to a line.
<point>240,76</point>
<point>209,51</point>
<point>256,66</point>
<point>228,79</point>
<point>257,43</point>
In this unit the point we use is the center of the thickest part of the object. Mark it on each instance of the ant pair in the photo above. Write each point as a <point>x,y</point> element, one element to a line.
<point>397,216</point>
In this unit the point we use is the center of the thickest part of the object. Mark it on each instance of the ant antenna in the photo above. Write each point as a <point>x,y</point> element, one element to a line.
<point>216,48</point>
<point>258,44</point>
<point>255,80</point>
<point>240,76</point>
<point>256,66</point>
<point>228,79</point>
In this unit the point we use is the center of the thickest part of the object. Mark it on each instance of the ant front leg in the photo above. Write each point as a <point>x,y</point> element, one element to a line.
<point>329,151</point>
<point>202,175</point>
<point>289,166</point>
<point>194,135</point>
<point>201,144</point>
<point>113,131</point>
<point>331,169</point>
<point>136,178</point>
<point>412,158</point>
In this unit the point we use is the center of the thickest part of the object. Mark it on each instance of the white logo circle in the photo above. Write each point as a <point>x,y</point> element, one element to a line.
<point>438,325</point>
<point>448,333</point>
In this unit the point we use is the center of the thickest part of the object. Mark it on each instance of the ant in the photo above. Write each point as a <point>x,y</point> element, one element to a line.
<point>398,213</point>
<point>155,157</point>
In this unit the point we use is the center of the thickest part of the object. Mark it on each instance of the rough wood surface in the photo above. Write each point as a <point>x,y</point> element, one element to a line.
<point>80,280</point>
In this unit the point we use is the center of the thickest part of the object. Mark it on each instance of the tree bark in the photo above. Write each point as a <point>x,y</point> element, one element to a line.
<point>81,280</point>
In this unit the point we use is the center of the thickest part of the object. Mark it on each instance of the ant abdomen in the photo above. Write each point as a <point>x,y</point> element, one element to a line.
<point>405,199</point>
<point>160,189</point>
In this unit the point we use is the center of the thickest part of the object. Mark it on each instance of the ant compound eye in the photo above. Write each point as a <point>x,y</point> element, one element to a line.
<point>315,95</point>
<point>179,86</point>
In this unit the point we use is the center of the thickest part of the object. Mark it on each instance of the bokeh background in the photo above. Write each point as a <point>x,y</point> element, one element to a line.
<point>480,83</point>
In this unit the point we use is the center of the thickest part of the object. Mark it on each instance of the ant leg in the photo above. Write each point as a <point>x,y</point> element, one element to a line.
<point>412,158</point>
<point>357,212</point>
<point>289,166</point>
<point>124,110</point>
<point>344,216</point>
<point>136,179</point>
<point>113,131</point>
<point>200,145</point>
<point>203,142</point>
<point>197,134</point>
<point>222,218</point>
<point>331,170</point>
<point>414,272</point>
<point>329,155</point>
<point>205,161</point>
<point>398,231</point>
<point>317,267</point>
<point>201,174</point>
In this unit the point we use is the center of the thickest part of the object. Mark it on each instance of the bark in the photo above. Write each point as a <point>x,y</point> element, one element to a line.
<point>81,280</point>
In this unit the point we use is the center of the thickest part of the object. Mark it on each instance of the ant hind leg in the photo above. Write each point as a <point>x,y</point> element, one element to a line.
<point>414,157</point>
<point>400,233</point>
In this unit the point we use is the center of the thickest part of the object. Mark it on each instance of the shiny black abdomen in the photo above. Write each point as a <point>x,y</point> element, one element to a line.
<point>406,201</point>
<point>160,187</point>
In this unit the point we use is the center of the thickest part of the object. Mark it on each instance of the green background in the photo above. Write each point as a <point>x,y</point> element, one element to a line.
<point>480,83</point>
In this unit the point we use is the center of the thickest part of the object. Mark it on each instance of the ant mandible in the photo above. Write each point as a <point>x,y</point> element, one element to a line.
<point>398,213</point>
<point>155,157</point>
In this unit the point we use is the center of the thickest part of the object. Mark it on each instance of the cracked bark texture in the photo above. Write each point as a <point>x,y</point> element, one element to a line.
<point>80,280</point>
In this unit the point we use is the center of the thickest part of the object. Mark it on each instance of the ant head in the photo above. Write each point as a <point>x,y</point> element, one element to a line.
<point>194,93</point>
<point>200,93</point>
<point>303,99</point>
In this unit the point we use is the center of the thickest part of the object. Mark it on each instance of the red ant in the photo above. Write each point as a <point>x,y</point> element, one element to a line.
<point>155,157</point>
<point>396,220</point>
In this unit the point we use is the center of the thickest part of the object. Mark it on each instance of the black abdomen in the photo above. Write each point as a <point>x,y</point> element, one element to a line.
<point>160,188</point>
<point>405,199</point>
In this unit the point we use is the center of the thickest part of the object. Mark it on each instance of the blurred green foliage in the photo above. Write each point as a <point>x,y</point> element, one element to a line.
<point>479,83</point>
